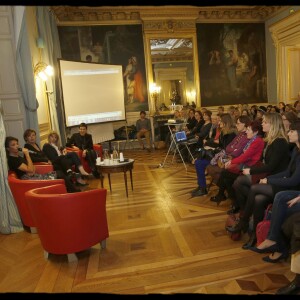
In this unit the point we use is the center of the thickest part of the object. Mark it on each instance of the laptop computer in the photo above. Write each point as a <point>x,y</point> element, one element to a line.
<point>180,137</point>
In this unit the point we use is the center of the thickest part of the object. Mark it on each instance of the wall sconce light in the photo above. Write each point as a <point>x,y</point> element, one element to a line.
<point>154,92</point>
<point>41,69</point>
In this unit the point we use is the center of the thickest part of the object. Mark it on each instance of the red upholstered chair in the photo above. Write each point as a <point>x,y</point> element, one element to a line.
<point>18,188</point>
<point>97,148</point>
<point>68,223</point>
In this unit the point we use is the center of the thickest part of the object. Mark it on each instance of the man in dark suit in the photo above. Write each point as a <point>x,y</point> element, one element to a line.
<point>84,141</point>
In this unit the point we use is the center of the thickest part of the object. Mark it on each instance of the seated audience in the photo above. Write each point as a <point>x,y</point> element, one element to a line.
<point>143,128</point>
<point>24,168</point>
<point>228,133</point>
<point>233,149</point>
<point>275,159</point>
<point>251,154</point>
<point>262,194</point>
<point>84,141</point>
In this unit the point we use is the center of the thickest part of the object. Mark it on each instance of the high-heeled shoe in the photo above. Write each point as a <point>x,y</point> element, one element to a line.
<point>218,198</point>
<point>251,242</point>
<point>239,227</point>
<point>292,288</point>
<point>81,183</point>
<point>284,255</point>
<point>273,248</point>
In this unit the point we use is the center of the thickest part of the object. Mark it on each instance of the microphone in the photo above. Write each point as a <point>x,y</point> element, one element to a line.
<point>30,151</point>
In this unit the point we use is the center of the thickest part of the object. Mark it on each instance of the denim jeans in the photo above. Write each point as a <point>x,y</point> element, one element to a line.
<point>200,165</point>
<point>280,212</point>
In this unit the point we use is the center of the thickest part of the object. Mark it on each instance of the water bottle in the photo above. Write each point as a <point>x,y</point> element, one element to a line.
<point>115,155</point>
<point>106,157</point>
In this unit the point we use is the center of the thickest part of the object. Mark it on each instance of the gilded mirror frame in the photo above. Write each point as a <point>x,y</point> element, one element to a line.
<point>192,36</point>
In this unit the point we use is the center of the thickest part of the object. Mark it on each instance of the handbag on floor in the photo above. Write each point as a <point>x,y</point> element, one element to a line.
<point>263,227</point>
<point>231,221</point>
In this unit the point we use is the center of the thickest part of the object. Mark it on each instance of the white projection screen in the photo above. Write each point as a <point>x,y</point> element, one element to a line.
<point>92,93</point>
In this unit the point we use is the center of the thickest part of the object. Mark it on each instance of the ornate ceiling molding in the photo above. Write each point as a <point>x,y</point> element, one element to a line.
<point>66,15</point>
<point>242,13</point>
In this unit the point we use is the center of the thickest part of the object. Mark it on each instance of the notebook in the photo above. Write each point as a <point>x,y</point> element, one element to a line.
<point>180,136</point>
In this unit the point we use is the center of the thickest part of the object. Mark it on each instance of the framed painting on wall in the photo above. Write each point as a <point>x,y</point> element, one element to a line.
<point>232,63</point>
<point>115,45</point>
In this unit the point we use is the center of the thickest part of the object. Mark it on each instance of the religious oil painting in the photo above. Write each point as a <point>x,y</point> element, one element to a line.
<point>115,45</point>
<point>232,63</point>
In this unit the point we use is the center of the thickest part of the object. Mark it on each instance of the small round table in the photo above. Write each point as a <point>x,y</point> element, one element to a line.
<point>117,168</point>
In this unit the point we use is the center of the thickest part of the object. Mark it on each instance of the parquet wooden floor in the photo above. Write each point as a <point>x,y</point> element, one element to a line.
<point>161,241</point>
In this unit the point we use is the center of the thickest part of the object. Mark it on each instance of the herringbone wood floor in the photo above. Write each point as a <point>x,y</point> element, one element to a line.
<point>161,241</point>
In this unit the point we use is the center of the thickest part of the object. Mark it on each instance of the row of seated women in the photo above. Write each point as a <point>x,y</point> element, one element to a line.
<point>63,161</point>
<point>263,167</point>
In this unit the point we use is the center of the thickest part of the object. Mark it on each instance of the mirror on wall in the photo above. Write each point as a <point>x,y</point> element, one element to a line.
<point>173,70</point>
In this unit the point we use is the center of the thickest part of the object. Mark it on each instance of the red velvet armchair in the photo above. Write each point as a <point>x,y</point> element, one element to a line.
<point>68,223</point>
<point>18,188</point>
<point>97,148</point>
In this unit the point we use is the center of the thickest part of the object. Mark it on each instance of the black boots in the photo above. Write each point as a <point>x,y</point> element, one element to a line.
<point>201,192</point>
<point>292,288</point>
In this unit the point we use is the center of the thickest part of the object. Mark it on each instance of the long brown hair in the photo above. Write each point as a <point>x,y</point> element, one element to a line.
<point>229,124</point>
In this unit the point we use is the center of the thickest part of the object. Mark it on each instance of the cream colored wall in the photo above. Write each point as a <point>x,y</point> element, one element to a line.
<point>286,38</point>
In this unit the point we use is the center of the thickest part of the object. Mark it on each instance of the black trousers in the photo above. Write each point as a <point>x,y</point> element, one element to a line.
<point>91,156</point>
<point>260,195</point>
<point>68,182</point>
<point>225,182</point>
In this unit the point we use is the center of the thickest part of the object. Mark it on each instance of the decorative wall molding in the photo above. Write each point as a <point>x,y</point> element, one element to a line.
<point>105,14</point>
<point>170,26</point>
<point>238,13</point>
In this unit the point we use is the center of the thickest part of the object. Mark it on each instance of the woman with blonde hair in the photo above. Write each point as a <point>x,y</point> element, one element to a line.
<point>275,160</point>
<point>61,159</point>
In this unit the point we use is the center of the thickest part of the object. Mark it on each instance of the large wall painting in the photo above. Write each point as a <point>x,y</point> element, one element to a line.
<point>232,63</point>
<point>111,44</point>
